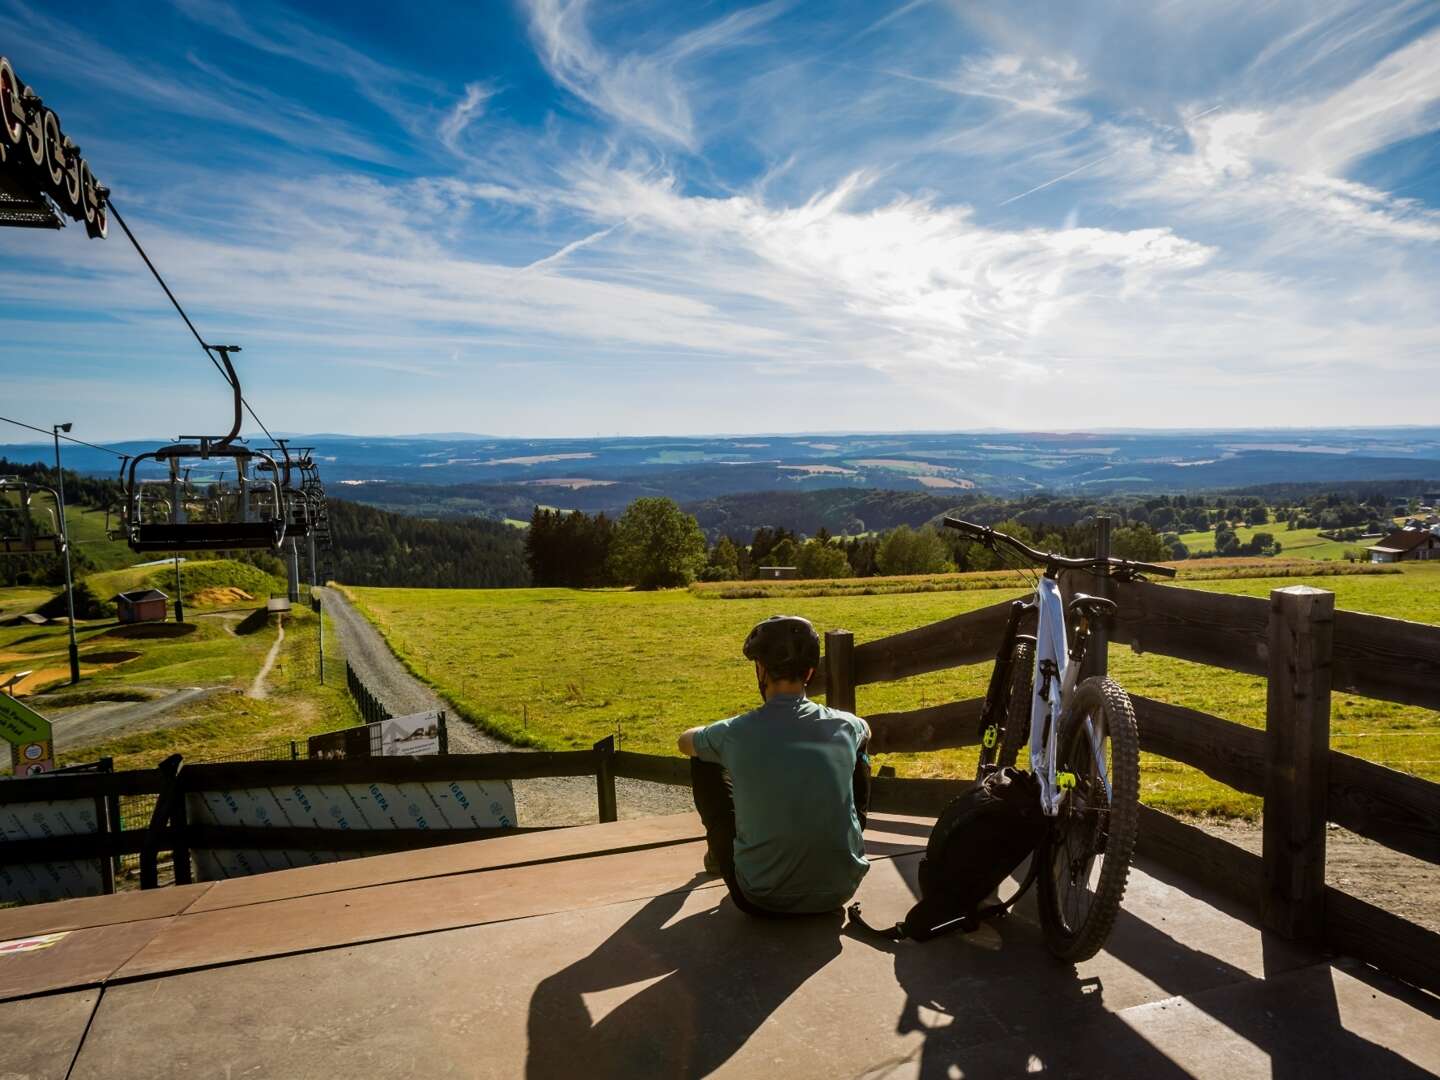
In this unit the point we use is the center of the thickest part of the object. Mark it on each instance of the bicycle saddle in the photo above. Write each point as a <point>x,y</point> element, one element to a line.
<point>1091,607</point>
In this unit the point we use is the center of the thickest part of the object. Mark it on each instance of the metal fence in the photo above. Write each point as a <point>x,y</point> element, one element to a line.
<point>371,709</point>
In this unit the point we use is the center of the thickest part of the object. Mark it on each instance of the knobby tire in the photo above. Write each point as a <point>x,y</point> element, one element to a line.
<point>1016,718</point>
<point>1077,826</point>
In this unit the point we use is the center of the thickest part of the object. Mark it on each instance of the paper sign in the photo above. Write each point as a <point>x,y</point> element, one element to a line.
<point>410,736</point>
<point>21,724</point>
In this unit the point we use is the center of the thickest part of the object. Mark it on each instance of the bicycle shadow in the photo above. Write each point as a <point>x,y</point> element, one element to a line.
<point>707,983</point>
<point>994,1004</point>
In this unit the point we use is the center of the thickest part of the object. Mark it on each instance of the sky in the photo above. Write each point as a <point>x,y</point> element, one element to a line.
<point>550,218</point>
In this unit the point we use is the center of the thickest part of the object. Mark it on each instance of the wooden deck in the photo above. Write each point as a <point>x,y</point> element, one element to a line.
<point>600,951</point>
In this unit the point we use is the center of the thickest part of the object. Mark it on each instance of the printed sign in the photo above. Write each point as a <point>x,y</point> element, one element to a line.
<point>31,883</point>
<point>31,759</point>
<point>21,724</point>
<point>351,742</point>
<point>410,736</point>
<point>436,804</point>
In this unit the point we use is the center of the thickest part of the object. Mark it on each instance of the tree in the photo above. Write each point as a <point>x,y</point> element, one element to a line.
<point>1139,542</point>
<point>657,545</point>
<point>906,551</point>
<point>817,559</point>
<point>724,562</point>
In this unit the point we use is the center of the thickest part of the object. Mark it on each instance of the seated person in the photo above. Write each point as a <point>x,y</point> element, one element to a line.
<point>783,789</point>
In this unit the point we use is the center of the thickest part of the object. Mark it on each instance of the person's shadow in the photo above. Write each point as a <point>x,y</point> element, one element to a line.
<point>713,978</point>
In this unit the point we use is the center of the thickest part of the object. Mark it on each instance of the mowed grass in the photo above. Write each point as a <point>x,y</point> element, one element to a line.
<point>1301,543</point>
<point>215,648</point>
<point>563,668</point>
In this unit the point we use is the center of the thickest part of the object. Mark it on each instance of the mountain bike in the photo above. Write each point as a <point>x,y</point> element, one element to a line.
<point>1084,747</point>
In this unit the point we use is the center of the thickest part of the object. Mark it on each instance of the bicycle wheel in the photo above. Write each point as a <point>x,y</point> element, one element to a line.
<point>1015,732</point>
<point>1085,859</point>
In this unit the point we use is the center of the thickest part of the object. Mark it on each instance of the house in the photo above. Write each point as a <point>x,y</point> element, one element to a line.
<point>1404,544</point>
<point>141,605</point>
<point>777,572</point>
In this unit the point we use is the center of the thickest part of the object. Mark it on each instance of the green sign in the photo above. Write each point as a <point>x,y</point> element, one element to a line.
<point>21,724</point>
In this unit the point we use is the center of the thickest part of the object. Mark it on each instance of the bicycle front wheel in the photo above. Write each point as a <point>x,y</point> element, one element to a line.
<point>1085,860</point>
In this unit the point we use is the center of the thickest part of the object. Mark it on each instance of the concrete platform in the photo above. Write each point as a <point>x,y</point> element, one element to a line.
<point>600,952</point>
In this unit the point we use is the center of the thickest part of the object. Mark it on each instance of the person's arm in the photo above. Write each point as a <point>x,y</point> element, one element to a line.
<point>687,741</point>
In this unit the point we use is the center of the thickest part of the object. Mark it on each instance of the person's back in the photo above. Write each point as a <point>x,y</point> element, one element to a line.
<point>783,789</point>
<point>798,844</point>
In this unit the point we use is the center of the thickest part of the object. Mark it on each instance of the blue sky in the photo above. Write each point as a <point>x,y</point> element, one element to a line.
<point>552,218</point>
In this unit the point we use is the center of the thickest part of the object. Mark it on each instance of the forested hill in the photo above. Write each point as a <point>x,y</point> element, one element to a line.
<point>841,511</point>
<point>377,547</point>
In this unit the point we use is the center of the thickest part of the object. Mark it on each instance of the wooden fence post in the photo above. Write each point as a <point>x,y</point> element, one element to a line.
<point>840,670</point>
<point>1097,652</point>
<point>605,777</point>
<point>1297,754</point>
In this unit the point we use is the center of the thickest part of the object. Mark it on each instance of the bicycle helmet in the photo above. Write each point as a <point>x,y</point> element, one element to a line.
<point>787,645</point>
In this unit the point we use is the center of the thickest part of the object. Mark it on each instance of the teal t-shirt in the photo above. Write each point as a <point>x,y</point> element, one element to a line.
<point>798,844</point>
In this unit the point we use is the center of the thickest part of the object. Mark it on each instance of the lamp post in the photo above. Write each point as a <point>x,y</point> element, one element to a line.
<point>55,430</point>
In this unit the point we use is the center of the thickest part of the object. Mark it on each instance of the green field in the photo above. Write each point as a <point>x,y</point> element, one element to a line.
<point>220,645</point>
<point>562,668</point>
<point>1301,543</point>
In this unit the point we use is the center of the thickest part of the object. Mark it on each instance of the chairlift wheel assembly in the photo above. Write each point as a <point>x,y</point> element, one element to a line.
<point>34,128</point>
<point>89,194</point>
<point>73,191</point>
<point>54,148</point>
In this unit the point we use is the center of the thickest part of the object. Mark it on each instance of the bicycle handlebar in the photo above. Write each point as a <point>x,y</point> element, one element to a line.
<point>984,534</point>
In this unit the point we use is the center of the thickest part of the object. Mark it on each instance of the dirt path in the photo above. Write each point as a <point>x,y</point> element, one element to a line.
<point>567,800</point>
<point>91,724</point>
<point>257,688</point>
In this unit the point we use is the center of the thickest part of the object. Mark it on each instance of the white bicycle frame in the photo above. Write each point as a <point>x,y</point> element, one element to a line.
<point>1047,710</point>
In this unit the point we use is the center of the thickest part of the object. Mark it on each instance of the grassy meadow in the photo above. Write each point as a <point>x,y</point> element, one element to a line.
<point>562,668</point>
<point>221,645</point>
<point>1300,543</point>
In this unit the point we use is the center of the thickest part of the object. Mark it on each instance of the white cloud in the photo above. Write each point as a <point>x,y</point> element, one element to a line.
<point>463,113</point>
<point>638,89</point>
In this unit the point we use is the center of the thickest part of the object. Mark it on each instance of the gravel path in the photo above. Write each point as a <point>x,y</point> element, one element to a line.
<point>560,800</point>
<point>91,724</point>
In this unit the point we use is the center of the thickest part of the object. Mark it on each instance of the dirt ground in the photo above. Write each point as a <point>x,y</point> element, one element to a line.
<point>1366,870</point>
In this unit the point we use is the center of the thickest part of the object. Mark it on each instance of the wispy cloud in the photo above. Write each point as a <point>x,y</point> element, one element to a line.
<point>463,113</point>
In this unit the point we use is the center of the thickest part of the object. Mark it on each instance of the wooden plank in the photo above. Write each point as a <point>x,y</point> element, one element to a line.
<point>75,785</point>
<point>937,727</point>
<point>1218,864</point>
<point>1387,658</point>
<point>71,848</point>
<point>656,768</point>
<point>1222,749</point>
<point>305,838</point>
<point>1297,756</point>
<point>513,765</point>
<point>1207,628</point>
<point>963,639</point>
<point>840,670</point>
<point>1396,809</point>
<point>929,797</point>
<point>1395,945</point>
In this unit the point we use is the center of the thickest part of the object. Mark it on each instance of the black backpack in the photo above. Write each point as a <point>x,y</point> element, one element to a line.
<point>977,842</point>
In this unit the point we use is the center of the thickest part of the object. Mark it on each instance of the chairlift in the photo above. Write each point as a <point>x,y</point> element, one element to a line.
<point>25,527</point>
<point>292,461</point>
<point>240,506</point>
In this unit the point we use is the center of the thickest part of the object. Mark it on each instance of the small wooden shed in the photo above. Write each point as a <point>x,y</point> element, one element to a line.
<point>141,605</point>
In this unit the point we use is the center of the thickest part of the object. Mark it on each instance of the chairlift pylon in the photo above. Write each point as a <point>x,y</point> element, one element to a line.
<point>176,513</point>
<point>20,531</point>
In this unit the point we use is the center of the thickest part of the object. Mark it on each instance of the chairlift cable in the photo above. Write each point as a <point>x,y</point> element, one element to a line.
<point>115,213</point>
<point>67,438</point>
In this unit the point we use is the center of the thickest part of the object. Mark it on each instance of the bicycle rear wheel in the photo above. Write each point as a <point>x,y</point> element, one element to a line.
<point>1085,860</point>
<point>1015,731</point>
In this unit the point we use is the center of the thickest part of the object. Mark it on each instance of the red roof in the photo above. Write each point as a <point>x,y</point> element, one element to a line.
<point>1406,539</point>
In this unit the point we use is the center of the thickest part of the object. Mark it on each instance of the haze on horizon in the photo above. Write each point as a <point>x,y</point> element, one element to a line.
<point>557,218</point>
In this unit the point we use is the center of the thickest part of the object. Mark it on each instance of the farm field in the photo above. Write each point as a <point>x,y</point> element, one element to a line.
<point>562,668</point>
<point>220,648</point>
<point>1298,543</point>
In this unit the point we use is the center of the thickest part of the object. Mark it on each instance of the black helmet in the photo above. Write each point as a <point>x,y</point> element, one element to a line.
<point>787,645</point>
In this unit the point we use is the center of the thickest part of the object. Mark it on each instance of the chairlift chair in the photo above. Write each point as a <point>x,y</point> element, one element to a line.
<point>173,513</point>
<point>20,531</point>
